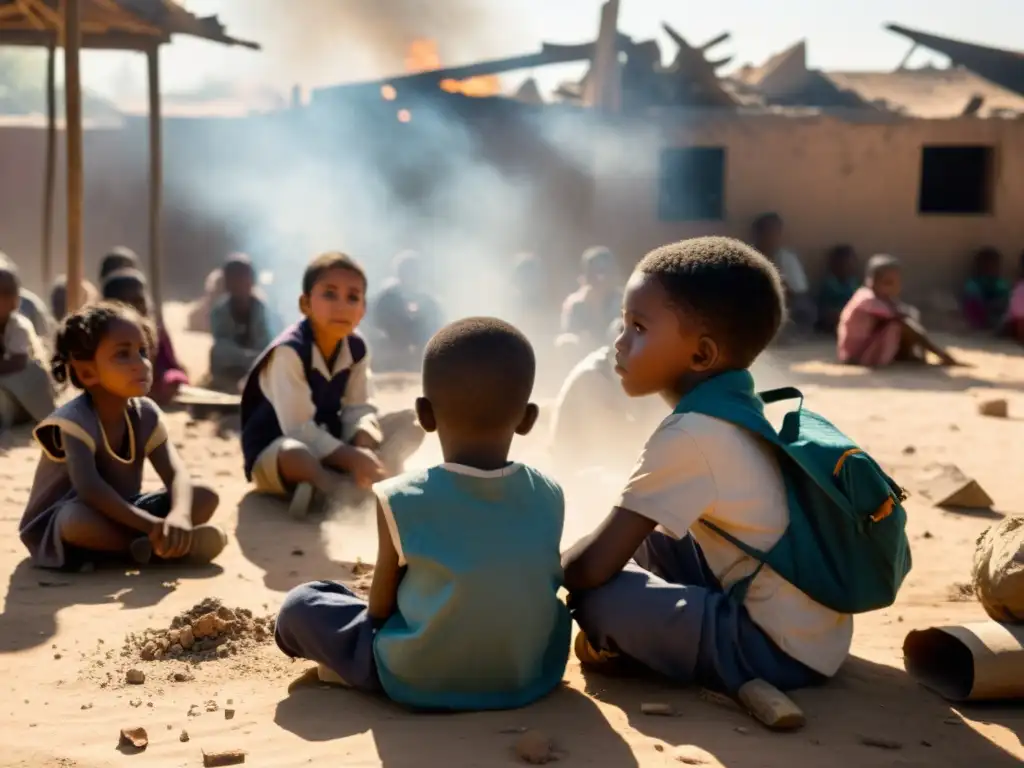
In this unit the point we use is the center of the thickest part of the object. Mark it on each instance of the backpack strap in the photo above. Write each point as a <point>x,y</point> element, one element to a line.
<point>770,396</point>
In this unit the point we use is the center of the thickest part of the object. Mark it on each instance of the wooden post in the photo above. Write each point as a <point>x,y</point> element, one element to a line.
<point>51,162</point>
<point>155,178</point>
<point>73,132</point>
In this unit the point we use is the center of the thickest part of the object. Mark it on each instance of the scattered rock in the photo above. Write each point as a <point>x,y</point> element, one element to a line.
<point>87,706</point>
<point>211,706</point>
<point>135,677</point>
<point>687,754</point>
<point>135,703</point>
<point>927,535</point>
<point>229,714</point>
<point>998,572</point>
<point>135,739</point>
<point>909,450</point>
<point>182,677</point>
<point>535,748</point>
<point>659,747</point>
<point>218,759</point>
<point>194,711</point>
<point>198,633</point>
<point>658,709</point>
<point>297,552</point>
<point>880,743</point>
<point>184,736</point>
<point>997,409</point>
<point>57,656</point>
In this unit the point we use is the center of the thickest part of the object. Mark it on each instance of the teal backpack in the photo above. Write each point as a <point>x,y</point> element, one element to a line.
<point>846,546</point>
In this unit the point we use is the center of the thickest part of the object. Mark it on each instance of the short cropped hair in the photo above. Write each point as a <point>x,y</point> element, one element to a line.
<point>120,282</point>
<point>238,264</point>
<point>326,262</point>
<point>9,276</point>
<point>736,291</point>
<point>879,263</point>
<point>478,374</point>
<point>117,259</point>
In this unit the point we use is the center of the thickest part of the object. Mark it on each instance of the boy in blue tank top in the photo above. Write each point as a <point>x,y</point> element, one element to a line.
<point>463,611</point>
<point>654,584</point>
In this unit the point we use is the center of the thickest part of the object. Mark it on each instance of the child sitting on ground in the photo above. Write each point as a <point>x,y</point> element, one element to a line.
<point>307,417</point>
<point>769,238</point>
<point>1015,315</point>
<point>877,329</point>
<point>840,283</point>
<point>59,296</point>
<point>240,326</point>
<point>463,611</point>
<point>697,313</point>
<point>26,395</point>
<point>986,295</point>
<point>591,406</point>
<point>86,499</point>
<point>128,286</point>
<point>213,291</point>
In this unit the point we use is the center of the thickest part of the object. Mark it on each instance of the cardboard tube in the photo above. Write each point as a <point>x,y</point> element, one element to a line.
<point>972,662</point>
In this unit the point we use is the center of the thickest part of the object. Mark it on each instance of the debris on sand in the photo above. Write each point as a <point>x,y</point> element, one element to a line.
<point>961,592</point>
<point>535,748</point>
<point>998,571</point>
<point>218,759</point>
<point>135,739</point>
<point>997,409</point>
<point>135,677</point>
<point>657,709</point>
<point>183,737</point>
<point>206,631</point>
<point>687,754</point>
<point>880,743</point>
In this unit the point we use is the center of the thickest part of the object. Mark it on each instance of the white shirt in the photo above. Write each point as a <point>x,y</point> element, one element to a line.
<point>792,271</point>
<point>696,466</point>
<point>284,384</point>
<point>20,338</point>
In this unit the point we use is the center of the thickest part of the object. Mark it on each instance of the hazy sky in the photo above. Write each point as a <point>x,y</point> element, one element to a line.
<point>841,35</point>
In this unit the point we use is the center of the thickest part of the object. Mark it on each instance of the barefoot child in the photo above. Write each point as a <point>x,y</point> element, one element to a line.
<point>128,286</point>
<point>877,329</point>
<point>463,611</point>
<point>26,394</point>
<point>240,326</point>
<point>697,314</point>
<point>86,498</point>
<point>307,418</point>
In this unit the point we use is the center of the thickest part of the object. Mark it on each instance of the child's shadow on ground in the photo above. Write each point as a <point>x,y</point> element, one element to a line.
<point>35,596</point>
<point>404,739</point>
<point>290,552</point>
<point>865,702</point>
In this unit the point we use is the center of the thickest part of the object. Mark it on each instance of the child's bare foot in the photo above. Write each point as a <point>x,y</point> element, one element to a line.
<point>588,655</point>
<point>327,675</point>
<point>208,541</point>
<point>302,501</point>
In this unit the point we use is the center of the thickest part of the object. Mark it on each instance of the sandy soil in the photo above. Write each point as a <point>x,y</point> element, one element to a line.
<point>62,635</point>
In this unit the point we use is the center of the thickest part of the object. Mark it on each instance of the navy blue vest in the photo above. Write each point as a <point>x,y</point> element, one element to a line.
<point>260,426</point>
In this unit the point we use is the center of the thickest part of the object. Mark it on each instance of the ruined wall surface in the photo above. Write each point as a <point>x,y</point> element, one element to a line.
<point>833,180</point>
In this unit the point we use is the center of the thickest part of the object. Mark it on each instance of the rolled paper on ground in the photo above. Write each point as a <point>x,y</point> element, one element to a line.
<point>972,662</point>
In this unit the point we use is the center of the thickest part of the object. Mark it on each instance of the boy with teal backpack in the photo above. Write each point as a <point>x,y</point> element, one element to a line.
<point>736,551</point>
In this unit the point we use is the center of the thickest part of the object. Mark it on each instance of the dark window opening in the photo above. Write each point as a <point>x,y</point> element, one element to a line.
<point>691,184</point>
<point>956,180</point>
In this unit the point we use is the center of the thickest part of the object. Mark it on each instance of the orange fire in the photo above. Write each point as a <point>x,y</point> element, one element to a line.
<point>423,56</point>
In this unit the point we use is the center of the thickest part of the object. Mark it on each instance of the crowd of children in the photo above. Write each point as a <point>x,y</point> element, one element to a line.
<point>464,609</point>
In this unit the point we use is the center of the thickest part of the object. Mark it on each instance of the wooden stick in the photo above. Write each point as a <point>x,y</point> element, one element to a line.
<point>50,177</point>
<point>155,179</point>
<point>771,707</point>
<point>218,759</point>
<point>73,133</point>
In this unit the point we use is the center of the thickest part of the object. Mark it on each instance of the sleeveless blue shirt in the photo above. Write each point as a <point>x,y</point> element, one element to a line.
<point>478,624</point>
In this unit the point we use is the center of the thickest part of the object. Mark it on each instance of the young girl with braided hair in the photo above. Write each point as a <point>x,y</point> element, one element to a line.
<point>87,502</point>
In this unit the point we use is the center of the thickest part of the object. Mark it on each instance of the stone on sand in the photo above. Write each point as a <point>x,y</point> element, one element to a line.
<point>998,573</point>
<point>535,748</point>
<point>135,677</point>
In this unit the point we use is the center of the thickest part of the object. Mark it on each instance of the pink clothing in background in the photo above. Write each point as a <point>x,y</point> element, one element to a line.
<point>868,332</point>
<point>1017,301</point>
<point>166,368</point>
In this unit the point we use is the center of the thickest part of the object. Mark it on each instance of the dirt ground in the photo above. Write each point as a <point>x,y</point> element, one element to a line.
<point>62,636</point>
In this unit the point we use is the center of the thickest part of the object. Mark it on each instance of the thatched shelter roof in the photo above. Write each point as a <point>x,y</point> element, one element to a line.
<point>109,24</point>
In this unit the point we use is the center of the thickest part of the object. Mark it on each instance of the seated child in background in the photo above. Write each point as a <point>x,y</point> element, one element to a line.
<point>240,326</point>
<point>59,296</point>
<point>591,407</point>
<point>769,238</point>
<point>118,259</point>
<point>307,417</point>
<point>876,328</point>
<point>1015,315</point>
<point>463,611</point>
<point>698,313</point>
<point>26,394</point>
<point>840,283</point>
<point>587,311</point>
<point>86,498</point>
<point>405,315</point>
<point>986,295</point>
<point>199,319</point>
<point>30,305</point>
<point>128,286</point>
